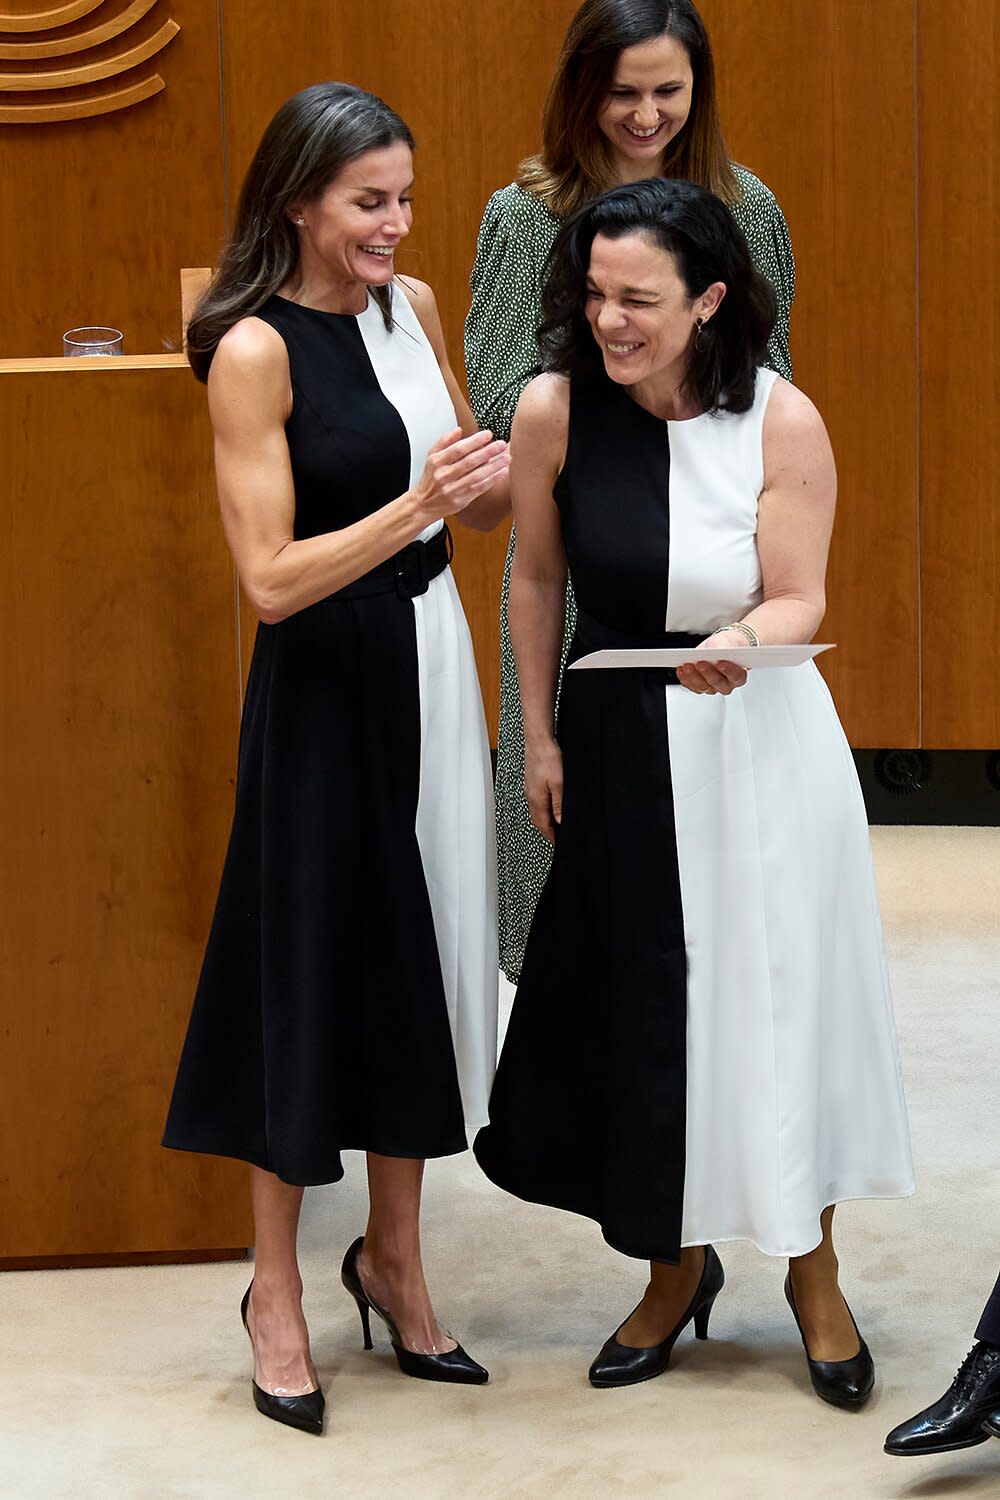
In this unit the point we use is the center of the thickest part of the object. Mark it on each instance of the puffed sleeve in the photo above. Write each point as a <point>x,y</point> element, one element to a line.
<point>760,217</point>
<point>501,354</point>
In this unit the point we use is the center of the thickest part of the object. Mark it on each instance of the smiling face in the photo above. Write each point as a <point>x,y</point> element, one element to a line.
<point>352,229</point>
<point>639,309</point>
<point>647,105</point>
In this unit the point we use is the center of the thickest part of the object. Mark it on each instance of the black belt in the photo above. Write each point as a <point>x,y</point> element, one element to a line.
<point>407,573</point>
<point>593,635</point>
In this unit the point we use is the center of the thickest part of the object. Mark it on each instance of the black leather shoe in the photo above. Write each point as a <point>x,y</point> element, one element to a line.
<point>842,1382</point>
<point>959,1419</point>
<point>302,1412</point>
<point>456,1367</point>
<point>617,1364</point>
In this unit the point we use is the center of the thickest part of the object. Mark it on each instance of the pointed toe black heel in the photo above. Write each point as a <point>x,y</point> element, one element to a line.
<point>454,1368</point>
<point>302,1412</point>
<point>846,1383</point>
<point>617,1364</point>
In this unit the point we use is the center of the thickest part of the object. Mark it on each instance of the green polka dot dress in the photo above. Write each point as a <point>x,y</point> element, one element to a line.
<point>500,357</point>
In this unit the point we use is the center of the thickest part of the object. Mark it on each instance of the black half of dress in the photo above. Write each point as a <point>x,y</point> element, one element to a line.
<point>588,1108</point>
<point>320,1021</point>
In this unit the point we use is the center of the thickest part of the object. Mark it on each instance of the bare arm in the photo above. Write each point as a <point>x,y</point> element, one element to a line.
<point>250,400</point>
<point>795,519</point>
<point>493,507</point>
<point>794,524</point>
<point>537,604</point>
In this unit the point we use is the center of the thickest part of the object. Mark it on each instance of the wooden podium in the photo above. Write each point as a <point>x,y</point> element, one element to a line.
<point>120,672</point>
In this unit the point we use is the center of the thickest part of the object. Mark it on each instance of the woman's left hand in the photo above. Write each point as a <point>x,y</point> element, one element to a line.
<point>715,677</point>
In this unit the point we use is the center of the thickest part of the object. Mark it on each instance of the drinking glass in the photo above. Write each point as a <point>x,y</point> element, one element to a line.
<point>91,342</point>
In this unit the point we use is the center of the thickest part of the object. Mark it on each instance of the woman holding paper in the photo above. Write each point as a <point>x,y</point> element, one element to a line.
<point>702,1044</point>
<point>633,95</point>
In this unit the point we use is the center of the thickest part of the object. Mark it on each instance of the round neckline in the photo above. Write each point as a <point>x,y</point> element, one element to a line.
<point>322,311</point>
<point>682,421</point>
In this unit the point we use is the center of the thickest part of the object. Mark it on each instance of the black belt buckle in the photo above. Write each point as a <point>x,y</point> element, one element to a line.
<point>412,571</point>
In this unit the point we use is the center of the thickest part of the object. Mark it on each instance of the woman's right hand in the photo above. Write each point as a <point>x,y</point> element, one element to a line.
<point>458,470</point>
<point>543,786</point>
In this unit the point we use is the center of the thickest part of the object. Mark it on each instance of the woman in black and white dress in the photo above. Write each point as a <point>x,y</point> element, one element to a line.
<point>348,994</point>
<point>702,1044</point>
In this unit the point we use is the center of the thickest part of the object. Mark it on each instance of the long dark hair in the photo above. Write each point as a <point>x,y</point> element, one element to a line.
<point>707,245</point>
<point>574,163</point>
<point>311,138</point>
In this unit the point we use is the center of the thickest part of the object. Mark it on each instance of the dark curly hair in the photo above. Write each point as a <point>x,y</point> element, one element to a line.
<point>699,231</point>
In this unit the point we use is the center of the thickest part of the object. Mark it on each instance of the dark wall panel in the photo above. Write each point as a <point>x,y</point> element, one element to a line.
<point>99,214</point>
<point>960,373</point>
<point>818,99</point>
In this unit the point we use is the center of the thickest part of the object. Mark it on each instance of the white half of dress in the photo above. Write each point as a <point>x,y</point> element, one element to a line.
<point>795,1096</point>
<point>455,819</point>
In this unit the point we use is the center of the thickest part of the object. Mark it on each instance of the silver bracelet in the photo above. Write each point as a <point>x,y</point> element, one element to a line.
<point>747,630</point>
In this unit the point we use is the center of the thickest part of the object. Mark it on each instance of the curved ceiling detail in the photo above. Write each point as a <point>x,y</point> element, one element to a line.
<point>65,46</point>
<point>92,72</point>
<point>72,70</point>
<point>45,20</point>
<point>81,109</point>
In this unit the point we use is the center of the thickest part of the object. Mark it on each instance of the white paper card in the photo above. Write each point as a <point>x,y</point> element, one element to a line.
<point>673,656</point>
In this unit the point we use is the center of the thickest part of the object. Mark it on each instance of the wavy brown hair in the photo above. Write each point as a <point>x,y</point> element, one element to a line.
<point>707,245</point>
<point>311,138</point>
<point>574,163</point>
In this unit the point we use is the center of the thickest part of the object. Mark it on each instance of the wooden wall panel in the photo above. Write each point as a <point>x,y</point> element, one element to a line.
<point>100,214</point>
<point>960,373</point>
<point>805,89</point>
<point>471,91</point>
<point>818,100</point>
<point>120,675</point>
<point>117,763</point>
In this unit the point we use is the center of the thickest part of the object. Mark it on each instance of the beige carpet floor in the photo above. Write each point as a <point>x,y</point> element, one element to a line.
<point>133,1384</point>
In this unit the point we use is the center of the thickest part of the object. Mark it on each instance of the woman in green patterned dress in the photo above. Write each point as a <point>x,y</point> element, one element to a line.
<point>633,97</point>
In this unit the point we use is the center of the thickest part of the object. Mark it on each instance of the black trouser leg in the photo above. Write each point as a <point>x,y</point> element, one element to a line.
<point>989,1323</point>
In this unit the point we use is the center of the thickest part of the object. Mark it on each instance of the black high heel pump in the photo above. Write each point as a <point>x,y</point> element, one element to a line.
<point>618,1364</point>
<point>842,1382</point>
<point>456,1367</point>
<point>304,1412</point>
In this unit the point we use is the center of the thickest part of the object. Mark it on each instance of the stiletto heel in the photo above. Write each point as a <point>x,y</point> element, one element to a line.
<point>619,1364</point>
<point>842,1382</point>
<point>366,1322</point>
<point>302,1412</point>
<point>456,1367</point>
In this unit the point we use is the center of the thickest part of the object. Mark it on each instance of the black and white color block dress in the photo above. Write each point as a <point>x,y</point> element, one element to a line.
<point>702,1045</point>
<point>348,997</point>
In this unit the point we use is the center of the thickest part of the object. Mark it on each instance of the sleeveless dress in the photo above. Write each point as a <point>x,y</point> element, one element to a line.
<point>702,1045</point>
<point>501,356</point>
<point>348,997</point>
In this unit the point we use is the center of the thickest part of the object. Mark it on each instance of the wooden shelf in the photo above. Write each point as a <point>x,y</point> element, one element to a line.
<point>84,364</point>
